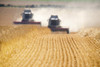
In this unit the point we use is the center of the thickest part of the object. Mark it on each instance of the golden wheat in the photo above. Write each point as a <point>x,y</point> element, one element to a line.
<point>36,47</point>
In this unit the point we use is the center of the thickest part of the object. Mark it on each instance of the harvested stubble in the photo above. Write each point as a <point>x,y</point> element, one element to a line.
<point>31,46</point>
<point>91,32</point>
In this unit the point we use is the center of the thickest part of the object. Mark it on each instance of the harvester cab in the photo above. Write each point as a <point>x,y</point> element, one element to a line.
<point>54,21</point>
<point>27,16</point>
<point>54,24</point>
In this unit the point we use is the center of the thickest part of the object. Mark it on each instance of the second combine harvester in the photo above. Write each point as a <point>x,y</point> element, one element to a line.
<point>54,24</point>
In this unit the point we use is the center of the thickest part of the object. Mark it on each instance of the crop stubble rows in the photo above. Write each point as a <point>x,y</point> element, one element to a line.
<point>56,50</point>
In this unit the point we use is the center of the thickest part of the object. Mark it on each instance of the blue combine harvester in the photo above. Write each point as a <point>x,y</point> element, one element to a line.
<point>54,24</point>
<point>27,18</point>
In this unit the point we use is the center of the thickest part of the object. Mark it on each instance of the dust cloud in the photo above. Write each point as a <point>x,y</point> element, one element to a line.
<point>73,17</point>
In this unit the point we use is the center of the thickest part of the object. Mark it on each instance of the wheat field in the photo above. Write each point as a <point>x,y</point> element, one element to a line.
<point>34,46</point>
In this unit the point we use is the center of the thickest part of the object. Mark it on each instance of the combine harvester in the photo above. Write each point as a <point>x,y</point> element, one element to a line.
<point>27,18</point>
<point>54,24</point>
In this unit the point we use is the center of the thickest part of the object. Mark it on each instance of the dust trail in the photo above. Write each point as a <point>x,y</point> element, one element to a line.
<point>73,18</point>
<point>70,18</point>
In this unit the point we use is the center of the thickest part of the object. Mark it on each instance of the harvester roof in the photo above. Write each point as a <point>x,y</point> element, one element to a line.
<point>27,12</point>
<point>54,17</point>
